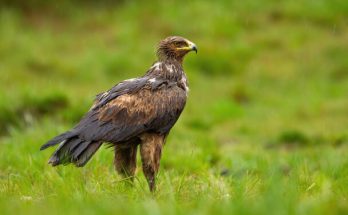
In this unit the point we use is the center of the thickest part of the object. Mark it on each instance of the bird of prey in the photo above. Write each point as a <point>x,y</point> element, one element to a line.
<point>135,112</point>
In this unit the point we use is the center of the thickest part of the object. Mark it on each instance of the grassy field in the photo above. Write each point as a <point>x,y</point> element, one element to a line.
<point>264,130</point>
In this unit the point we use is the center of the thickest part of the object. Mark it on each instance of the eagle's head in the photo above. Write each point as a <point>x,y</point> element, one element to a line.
<point>174,48</point>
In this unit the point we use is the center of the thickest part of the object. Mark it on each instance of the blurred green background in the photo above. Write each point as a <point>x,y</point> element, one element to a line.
<point>264,130</point>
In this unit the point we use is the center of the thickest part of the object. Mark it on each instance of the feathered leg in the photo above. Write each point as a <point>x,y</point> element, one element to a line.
<point>150,151</point>
<point>126,160</point>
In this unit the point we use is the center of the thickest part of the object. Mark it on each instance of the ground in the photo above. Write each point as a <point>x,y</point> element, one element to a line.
<point>264,130</point>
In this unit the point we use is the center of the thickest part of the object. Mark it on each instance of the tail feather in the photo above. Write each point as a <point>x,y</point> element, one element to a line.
<point>79,149</point>
<point>86,155</point>
<point>58,139</point>
<point>62,155</point>
<point>74,150</point>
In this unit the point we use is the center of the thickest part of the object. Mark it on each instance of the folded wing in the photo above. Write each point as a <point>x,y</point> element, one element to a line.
<point>153,107</point>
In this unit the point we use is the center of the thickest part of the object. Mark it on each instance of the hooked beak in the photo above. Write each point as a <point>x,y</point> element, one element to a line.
<point>193,47</point>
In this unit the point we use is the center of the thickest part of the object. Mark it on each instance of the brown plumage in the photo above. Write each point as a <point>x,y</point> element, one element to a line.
<point>135,112</point>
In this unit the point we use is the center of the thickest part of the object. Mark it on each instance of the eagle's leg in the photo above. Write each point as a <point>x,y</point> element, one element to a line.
<point>126,160</point>
<point>150,151</point>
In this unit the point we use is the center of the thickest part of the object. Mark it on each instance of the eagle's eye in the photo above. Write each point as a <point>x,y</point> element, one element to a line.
<point>180,44</point>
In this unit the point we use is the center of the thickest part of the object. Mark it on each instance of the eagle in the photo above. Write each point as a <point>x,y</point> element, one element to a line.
<point>137,112</point>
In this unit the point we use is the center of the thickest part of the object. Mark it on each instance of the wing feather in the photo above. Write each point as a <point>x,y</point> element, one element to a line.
<point>119,118</point>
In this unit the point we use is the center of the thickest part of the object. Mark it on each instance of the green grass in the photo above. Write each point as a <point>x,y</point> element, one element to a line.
<point>264,130</point>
